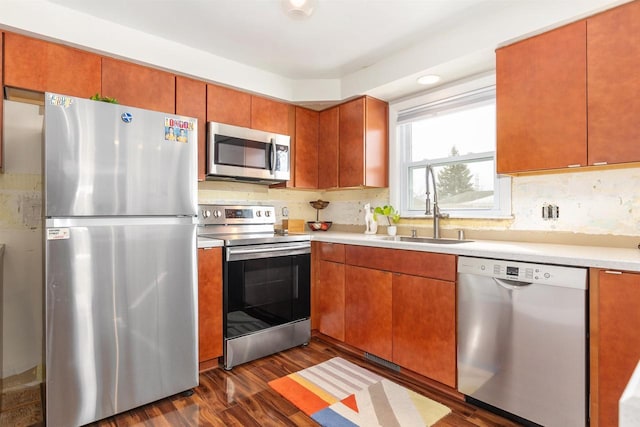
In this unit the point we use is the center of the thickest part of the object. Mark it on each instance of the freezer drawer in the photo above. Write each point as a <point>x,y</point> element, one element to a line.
<point>121,319</point>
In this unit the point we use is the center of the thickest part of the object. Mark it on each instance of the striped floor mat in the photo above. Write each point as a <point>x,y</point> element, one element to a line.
<point>337,393</point>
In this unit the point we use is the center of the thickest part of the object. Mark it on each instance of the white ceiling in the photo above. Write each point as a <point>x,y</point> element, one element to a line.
<point>347,47</point>
<point>341,37</point>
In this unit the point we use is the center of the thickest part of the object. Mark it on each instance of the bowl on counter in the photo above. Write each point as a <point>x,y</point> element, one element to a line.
<point>319,225</point>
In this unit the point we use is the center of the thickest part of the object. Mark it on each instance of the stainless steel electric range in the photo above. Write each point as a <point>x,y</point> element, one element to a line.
<point>266,281</point>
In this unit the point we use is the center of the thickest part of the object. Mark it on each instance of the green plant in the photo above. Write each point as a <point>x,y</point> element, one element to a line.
<point>387,210</point>
<point>97,97</point>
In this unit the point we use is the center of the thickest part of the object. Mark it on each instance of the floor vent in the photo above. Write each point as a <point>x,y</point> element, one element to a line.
<point>381,361</point>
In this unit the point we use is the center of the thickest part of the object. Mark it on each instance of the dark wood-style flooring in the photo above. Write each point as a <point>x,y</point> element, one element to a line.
<point>242,397</point>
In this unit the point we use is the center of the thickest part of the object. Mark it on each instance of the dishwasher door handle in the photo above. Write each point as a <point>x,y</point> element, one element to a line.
<point>511,284</point>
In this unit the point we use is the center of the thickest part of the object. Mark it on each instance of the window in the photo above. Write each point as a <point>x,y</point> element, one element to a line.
<point>455,137</point>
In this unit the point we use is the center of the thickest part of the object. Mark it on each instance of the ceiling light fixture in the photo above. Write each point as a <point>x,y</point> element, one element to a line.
<point>299,9</point>
<point>428,79</point>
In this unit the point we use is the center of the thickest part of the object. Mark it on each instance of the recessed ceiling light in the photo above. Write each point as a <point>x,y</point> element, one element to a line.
<point>299,9</point>
<point>428,79</point>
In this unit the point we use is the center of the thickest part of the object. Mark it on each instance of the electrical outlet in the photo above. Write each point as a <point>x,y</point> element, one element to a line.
<point>550,211</point>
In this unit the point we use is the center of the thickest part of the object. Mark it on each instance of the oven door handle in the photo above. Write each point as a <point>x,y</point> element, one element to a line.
<point>242,253</point>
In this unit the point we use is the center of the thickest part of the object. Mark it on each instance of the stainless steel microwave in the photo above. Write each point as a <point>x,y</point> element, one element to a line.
<point>243,154</point>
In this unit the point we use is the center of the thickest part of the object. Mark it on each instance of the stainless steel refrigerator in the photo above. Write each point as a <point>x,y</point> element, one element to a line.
<point>120,189</point>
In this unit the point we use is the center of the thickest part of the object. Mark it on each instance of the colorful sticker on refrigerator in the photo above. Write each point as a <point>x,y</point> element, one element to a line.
<point>178,130</point>
<point>57,233</point>
<point>60,100</point>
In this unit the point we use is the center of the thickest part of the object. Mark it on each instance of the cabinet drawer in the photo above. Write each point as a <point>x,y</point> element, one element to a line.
<point>425,264</point>
<point>332,252</point>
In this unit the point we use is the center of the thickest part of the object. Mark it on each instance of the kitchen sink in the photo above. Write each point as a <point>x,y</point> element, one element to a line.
<point>430,240</point>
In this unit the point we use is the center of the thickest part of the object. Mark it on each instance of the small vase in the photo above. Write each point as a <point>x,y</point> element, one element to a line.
<point>391,230</point>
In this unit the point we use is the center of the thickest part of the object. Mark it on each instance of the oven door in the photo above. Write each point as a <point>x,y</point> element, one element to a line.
<point>265,285</point>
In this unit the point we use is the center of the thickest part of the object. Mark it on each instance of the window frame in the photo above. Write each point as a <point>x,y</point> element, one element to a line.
<point>399,153</point>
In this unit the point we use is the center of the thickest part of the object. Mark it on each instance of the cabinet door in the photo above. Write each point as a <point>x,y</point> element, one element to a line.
<point>270,116</point>
<point>191,100</point>
<point>368,310</point>
<point>613,62</point>
<point>306,142</point>
<point>42,66</point>
<point>138,86</point>
<point>424,327</point>
<point>376,143</point>
<point>228,106</point>
<point>541,101</point>
<point>210,303</point>
<point>363,141</point>
<point>618,338</point>
<point>328,148</point>
<point>331,299</point>
<point>351,143</point>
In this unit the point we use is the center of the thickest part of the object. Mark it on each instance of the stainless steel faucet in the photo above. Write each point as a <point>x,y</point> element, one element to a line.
<point>436,209</point>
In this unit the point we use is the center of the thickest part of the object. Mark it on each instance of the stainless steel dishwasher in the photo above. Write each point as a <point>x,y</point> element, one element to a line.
<point>522,339</point>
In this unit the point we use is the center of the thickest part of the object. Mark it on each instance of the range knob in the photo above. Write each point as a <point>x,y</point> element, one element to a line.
<point>206,213</point>
<point>258,214</point>
<point>267,213</point>
<point>217,214</point>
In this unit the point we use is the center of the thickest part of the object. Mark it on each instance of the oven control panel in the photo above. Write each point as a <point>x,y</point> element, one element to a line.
<point>235,215</point>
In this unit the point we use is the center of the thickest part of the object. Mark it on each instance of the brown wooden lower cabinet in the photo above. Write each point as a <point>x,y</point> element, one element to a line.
<point>209,306</point>
<point>368,310</point>
<point>424,327</point>
<point>615,336</point>
<point>365,298</point>
<point>331,299</point>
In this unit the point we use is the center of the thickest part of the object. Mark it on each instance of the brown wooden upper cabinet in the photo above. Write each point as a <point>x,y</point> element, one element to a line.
<point>43,66</point>
<point>228,106</point>
<point>363,136</point>
<point>138,86</point>
<point>191,100</point>
<point>568,97</point>
<point>233,107</point>
<point>270,116</point>
<point>613,84</point>
<point>306,149</point>
<point>542,101</point>
<point>328,139</point>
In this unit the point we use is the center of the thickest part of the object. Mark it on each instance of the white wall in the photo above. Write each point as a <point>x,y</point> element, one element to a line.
<point>594,202</point>
<point>21,232</point>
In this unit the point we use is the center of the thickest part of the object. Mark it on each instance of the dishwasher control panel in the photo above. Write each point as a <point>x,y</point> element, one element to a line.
<point>574,277</point>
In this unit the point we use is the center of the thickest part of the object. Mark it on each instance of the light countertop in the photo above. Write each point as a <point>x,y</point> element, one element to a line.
<point>206,242</point>
<point>580,256</point>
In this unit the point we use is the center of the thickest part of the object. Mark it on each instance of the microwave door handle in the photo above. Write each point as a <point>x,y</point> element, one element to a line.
<point>272,156</point>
